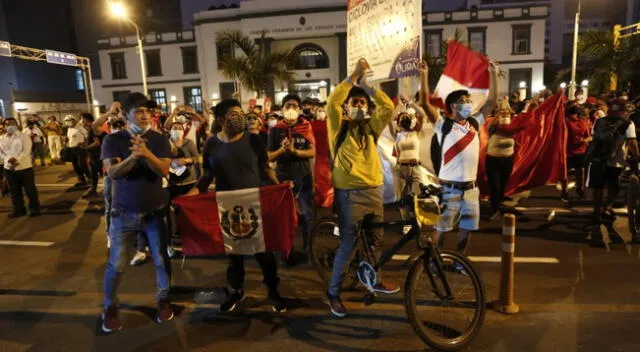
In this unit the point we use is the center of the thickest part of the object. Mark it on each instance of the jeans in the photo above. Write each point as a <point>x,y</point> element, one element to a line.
<point>498,173</point>
<point>18,180</point>
<point>55,146</point>
<point>352,206</point>
<point>37,151</point>
<point>125,226</point>
<point>95,167</point>
<point>407,180</point>
<point>267,262</point>
<point>79,162</point>
<point>106,191</point>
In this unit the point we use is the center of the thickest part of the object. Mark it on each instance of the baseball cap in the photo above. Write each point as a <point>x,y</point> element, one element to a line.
<point>136,100</point>
<point>70,117</point>
<point>618,107</point>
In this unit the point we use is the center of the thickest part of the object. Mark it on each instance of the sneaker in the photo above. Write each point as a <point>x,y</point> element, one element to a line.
<point>80,184</point>
<point>138,259</point>
<point>110,319</point>
<point>386,288</point>
<point>336,307</point>
<point>233,298</point>
<point>171,252</point>
<point>165,313</point>
<point>564,197</point>
<point>277,303</point>
<point>90,193</point>
<point>17,214</point>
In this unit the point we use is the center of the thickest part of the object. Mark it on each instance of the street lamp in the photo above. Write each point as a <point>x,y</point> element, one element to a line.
<point>563,85</point>
<point>118,10</point>
<point>96,108</point>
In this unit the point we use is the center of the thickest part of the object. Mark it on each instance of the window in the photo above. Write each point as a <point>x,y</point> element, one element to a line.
<point>118,67</point>
<point>223,50</point>
<point>159,95</point>
<point>227,89</point>
<point>310,57</point>
<point>433,43</point>
<point>193,97</point>
<point>520,75</point>
<point>522,39</point>
<point>79,80</point>
<point>152,59</point>
<point>120,95</point>
<point>189,59</point>
<point>477,39</point>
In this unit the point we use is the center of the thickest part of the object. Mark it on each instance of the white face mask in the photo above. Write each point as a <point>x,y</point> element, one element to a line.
<point>464,111</point>
<point>600,114</point>
<point>181,119</point>
<point>291,115</point>
<point>272,123</point>
<point>68,123</point>
<point>12,129</point>
<point>321,115</point>
<point>411,111</point>
<point>176,134</point>
<point>504,120</point>
<point>357,114</point>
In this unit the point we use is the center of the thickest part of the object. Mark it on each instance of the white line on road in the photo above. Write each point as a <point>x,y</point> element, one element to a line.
<point>59,185</point>
<point>525,260</point>
<point>26,243</point>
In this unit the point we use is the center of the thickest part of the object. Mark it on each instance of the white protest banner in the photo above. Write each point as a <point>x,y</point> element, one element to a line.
<point>387,33</point>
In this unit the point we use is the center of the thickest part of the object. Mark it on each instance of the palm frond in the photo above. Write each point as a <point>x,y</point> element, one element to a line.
<point>236,39</point>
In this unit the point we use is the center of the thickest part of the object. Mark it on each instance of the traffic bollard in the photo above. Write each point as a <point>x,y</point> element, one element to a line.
<point>506,303</point>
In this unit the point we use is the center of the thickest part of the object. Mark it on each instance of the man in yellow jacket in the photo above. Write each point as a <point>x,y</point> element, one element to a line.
<point>357,170</point>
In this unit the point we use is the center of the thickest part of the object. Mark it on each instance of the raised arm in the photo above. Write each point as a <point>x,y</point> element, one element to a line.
<point>431,112</point>
<point>114,110</point>
<point>494,88</point>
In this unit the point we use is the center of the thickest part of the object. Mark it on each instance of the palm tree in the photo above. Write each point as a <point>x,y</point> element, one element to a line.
<point>601,59</point>
<point>254,68</point>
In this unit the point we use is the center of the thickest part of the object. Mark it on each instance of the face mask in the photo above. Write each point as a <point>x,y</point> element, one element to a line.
<point>504,121</point>
<point>600,114</point>
<point>12,129</point>
<point>411,111</point>
<point>579,97</point>
<point>540,100</point>
<point>272,123</point>
<point>181,119</point>
<point>357,114</point>
<point>68,123</point>
<point>139,130</point>
<point>290,115</point>
<point>176,134</point>
<point>408,123</point>
<point>321,115</point>
<point>624,97</point>
<point>235,126</point>
<point>464,111</point>
<point>306,111</point>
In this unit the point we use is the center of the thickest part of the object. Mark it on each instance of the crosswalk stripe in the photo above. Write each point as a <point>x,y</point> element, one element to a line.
<point>26,243</point>
<point>480,259</point>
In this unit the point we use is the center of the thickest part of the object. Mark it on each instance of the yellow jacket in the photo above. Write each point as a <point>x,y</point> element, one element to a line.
<point>357,164</point>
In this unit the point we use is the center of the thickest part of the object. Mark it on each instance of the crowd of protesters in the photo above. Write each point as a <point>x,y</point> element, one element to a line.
<point>147,158</point>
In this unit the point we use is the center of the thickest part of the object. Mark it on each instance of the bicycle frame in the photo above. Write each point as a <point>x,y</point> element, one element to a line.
<point>430,251</point>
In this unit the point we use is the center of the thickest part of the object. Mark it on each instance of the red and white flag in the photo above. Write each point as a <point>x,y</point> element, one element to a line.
<point>465,69</point>
<point>244,222</point>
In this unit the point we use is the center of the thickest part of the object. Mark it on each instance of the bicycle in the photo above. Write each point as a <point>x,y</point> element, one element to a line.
<point>633,207</point>
<point>431,284</point>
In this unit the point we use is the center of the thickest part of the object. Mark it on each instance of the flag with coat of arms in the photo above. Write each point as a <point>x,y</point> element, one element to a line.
<point>243,222</point>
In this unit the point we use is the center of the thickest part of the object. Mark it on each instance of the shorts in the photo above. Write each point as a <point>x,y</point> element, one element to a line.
<point>576,161</point>
<point>600,175</point>
<point>462,209</point>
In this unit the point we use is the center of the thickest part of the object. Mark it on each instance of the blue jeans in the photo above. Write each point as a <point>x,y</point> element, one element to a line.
<point>106,191</point>
<point>125,226</point>
<point>352,206</point>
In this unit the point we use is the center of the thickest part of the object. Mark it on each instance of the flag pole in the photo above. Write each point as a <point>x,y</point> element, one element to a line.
<point>574,61</point>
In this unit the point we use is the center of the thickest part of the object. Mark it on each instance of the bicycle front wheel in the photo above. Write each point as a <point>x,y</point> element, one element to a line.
<point>445,323</point>
<point>633,205</point>
<point>323,244</point>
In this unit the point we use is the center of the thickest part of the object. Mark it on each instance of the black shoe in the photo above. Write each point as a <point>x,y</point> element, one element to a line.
<point>277,303</point>
<point>564,197</point>
<point>581,194</point>
<point>295,258</point>
<point>90,193</point>
<point>17,214</point>
<point>233,298</point>
<point>34,213</point>
<point>608,214</point>
<point>80,184</point>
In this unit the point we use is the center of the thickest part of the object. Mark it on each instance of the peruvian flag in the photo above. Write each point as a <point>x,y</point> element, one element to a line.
<point>244,222</point>
<point>466,70</point>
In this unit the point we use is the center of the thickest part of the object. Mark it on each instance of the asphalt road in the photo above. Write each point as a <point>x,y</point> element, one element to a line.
<point>587,298</point>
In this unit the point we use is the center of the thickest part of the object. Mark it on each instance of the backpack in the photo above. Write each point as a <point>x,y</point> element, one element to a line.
<point>602,147</point>
<point>436,146</point>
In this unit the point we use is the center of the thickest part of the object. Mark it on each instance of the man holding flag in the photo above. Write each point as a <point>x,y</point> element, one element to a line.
<point>456,149</point>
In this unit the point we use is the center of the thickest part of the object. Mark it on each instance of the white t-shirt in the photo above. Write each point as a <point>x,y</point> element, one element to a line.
<point>459,164</point>
<point>35,134</point>
<point>408,145</point>
<point>77,136</point>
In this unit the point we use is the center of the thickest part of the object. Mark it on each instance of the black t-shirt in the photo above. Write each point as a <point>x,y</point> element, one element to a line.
<point>141,189</point>
<point>235,165</point>
<point>291,167</point>
<point>94,152</point>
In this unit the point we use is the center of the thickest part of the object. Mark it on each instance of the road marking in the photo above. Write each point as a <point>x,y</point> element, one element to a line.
<point>586,210</point>
<point>60,185</point>
<point>26,243</point>
<point>524,260</point>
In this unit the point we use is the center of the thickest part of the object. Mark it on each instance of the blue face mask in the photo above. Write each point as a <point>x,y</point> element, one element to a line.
<point>464,111</point>
<point>139,130</point>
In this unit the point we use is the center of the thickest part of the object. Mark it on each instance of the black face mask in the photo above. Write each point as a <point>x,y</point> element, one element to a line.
<point>405,123</point>
<point>306,111</point>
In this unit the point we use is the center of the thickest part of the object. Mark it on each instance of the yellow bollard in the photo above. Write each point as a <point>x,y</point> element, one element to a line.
<point>506,303</point>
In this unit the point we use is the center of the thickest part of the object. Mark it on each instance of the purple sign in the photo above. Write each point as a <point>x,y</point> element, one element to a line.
<point>60,58</point>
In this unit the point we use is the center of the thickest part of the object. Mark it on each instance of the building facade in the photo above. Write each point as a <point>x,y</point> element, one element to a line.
<point>514,37</point>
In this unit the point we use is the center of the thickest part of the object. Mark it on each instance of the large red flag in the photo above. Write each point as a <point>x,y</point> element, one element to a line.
<point>245,221</point>
<point>322,168</point>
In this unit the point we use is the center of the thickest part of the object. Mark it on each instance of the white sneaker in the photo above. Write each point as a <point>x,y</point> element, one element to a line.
<point>138,259</point>
<point>108,242</point>
<point>171,252</point>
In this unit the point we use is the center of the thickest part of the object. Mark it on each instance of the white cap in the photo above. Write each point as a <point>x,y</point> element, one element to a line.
<point>70,117</point>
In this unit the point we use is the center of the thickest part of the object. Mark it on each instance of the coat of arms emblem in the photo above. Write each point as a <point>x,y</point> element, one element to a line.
<point>239,223</point>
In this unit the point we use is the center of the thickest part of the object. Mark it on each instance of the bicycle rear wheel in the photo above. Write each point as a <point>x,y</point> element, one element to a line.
<point>323,243</point>
<point>633,206</point>
<point>445,323</point>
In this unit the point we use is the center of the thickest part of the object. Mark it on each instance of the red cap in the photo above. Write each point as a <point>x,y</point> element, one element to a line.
<point>618,107</point>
